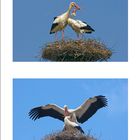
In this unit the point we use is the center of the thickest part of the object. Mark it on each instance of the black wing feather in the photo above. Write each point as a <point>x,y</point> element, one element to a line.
<point>84,22</point>
<point>80,129</point>
<point>88,32</point>
<point>87,28</point>
<point>53,26</point>
<point>55,18</point>
<point>101,102</point>
<point>38,112</point>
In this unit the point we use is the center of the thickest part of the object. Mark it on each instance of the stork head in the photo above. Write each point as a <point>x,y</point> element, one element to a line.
<point>66,112</point>
<point>65,107</point>
<point>73,4</point>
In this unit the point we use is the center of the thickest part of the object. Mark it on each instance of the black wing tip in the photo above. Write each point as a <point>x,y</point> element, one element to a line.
<point>33,113</point>
<point>84,22</point>
<point>103,100</point>
<point>53,26</point>
<point>88,28</point>
<point>54,18</point>
<point>32,118</point>
<point>92,29</point>
<point>51,32</point>
<point>88,32</point>
<point>80,129</point>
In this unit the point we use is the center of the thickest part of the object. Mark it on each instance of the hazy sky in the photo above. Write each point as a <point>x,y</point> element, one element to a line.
<point>33,20</point>
<point>110,123</point>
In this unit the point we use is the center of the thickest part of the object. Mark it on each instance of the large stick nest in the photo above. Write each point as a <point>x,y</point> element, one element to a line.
<point>68,135</point>
<point>76,50</point>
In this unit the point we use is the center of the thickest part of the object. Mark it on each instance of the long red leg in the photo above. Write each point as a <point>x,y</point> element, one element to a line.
<point>78,36</point>
<point>62,34</point>
<point>82,36</point>
<point>56,36</point>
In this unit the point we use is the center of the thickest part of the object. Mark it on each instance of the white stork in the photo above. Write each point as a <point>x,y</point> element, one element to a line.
<point>78,115</point>
<point>79,26</point>
<point>70,124</point>
<point>60,22</point>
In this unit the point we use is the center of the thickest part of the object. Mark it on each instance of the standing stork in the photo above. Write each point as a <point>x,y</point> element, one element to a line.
<point>78,115</point>
<point>60,22</point>
<point>80,27</point>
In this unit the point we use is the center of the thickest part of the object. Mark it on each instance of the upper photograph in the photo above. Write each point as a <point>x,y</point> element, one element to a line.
<point>70,31</point>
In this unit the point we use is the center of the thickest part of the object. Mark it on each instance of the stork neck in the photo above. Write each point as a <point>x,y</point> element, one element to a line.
<point>69,9</point>
<point>66,113</point>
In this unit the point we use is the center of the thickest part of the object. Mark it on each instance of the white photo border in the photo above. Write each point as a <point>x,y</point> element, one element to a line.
<point>11,70</point>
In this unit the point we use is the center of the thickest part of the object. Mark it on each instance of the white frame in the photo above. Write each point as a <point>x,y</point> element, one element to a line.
<point>10,70</point>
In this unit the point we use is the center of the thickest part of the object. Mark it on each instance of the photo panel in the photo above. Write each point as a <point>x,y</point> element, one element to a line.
<point>30,96</point>
<point>93,31</point>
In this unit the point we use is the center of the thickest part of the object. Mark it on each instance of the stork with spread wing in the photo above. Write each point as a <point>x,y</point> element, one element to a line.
<point>78,115</point>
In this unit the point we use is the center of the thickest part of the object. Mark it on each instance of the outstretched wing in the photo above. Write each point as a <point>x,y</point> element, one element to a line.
<point>51,110</point>
<point>90,107</point>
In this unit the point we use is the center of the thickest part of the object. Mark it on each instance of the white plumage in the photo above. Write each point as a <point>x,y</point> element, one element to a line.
<point>71,124</point>
<point>79,26</point>
<point>60,22</point>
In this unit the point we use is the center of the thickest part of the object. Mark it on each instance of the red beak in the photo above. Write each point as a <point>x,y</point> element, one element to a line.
<point>77,7</point>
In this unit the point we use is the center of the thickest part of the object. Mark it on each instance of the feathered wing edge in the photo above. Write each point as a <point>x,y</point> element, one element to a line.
<point>52,28</point>
<point>47,110</point>
<point>88,28</point>
<point>82,25</point>
<point>90,107</point>
<point>53,25</point>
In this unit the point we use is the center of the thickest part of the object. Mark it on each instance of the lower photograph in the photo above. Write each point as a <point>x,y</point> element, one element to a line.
<point>70,109</point>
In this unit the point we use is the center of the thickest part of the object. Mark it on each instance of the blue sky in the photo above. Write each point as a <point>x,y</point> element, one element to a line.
<point>33,19</point>
<point>109,123</point>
